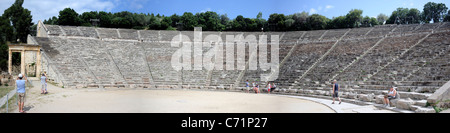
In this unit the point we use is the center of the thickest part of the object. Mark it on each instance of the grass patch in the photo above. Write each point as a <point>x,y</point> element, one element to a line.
<point>445,106</point>
<point>5,90</point>
<point>12,105</point>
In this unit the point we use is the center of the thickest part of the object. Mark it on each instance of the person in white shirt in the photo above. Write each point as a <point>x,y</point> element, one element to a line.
<point>392,94</point>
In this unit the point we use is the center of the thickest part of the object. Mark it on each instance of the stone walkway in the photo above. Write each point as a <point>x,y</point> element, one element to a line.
<point>344,107</point>
<point>36,101</point>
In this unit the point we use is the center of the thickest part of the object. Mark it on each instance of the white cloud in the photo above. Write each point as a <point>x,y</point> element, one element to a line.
<point>312,11</point>
<point>205,10</point>
<point>44,9</point>
<point>329,6</point>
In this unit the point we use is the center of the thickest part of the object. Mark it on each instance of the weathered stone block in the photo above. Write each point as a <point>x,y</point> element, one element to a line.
<point>379,99</point>
<point>425,110</point>
<point>405,104</point>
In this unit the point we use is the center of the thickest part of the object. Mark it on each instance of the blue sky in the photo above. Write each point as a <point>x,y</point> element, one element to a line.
<point>43,9</point>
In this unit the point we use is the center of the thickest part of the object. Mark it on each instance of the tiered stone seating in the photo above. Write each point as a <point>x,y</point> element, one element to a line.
<point>343,54</point>
<point>100,63</point>
<point>255,75</point>
<point>379,56</point>
<point>88,32</point>
<point>437,69</point>
<point>415,58</point>
<point>149,35</point>
<point>301,59</point>
<point>167,36</point>
<point>225,78</point>
<point>108,33</point>
<point>130,60</point>
<point>313,35</point>
<point>357,33</point>
<point>128,34</point>
<point>427,27</point>
<point>444,27</point>
<point>334,34</point>
<point>291,37</point>
<point>405,29</point>
<point>223,35</point>
<point>380,31</point>
<point>71,31</point>
<point>159,57</point>
<point>67,61</point>
<point>195,78</point>
<point>54,30</point>
<point>370,70</point>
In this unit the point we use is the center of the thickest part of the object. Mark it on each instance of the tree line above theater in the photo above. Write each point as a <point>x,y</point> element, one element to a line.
<point>212,21</point>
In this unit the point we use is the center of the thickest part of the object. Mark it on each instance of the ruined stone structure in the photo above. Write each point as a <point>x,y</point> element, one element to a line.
<point>30,57</point>
<point>365,61</point>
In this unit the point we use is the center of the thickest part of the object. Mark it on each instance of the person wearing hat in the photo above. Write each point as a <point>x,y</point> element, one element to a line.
<point>392,94</point>
<point>20,82</point>
<point>335,91</point>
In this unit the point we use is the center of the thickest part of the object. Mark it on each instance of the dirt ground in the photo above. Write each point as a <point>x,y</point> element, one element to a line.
<point>60,100</point>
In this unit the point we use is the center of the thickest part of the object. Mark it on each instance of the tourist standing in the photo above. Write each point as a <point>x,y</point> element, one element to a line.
<point>247,86</point>
<point>335,91</point>
<point>20,82</point>
<point>44,84</point>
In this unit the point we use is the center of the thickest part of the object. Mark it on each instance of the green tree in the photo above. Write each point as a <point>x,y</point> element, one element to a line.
<point>398,16</point>
<point>175,19</point>
<point>354,18</point>
<point>166,23</point>
<point>381,18</point>
<point>210,21</point>
<point>300,20</point>
<point>189,21</point>
<point>68,16</point>
<point>447,17</point>
<point>434,11</point>
<point>405,16</point>
<point>277,22</point>
<point>289,23</point>
<point>238,24</point>
<point>369,22</point>
<point>51,21</point>
<point>338,22</point>
<point>373,21</point>
<point>260,22</point>
<point>413,16</point>
<point>317,22</point>
<point>105,19</point>
<point>6,32</point>
<point>87,16</point>
<point>123,19</point>
<point>21,20</point>
<point>155,23</point>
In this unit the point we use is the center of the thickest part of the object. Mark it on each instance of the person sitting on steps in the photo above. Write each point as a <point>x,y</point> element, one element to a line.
<point>392,94</point>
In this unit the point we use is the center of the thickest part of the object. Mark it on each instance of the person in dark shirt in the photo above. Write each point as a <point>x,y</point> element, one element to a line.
<point>335,91</point>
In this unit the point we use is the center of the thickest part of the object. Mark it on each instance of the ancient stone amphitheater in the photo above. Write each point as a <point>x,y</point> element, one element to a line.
<point>365,61</point>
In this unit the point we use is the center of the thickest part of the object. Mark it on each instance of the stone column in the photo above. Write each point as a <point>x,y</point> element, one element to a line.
<point>22,62</point>
<point>10,61</point>
<point>38,63</point>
